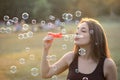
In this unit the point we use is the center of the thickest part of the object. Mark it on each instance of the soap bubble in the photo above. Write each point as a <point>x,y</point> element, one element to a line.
<point>20,36</point>
<point>69,17</point>
<point>63,31</point>
<point>82,51</point>
<point>64,46</point>
<point>77,22</point>
<point>9,22</point>
<point>34,71</point>
<point>66,38</point>
<point>6,18</point>
<point>32,57</point>
<point>15,19</point>
<point>13,69</point>
<point>27,49</point>
<point>76,71</point>
<point>22,61</point>
<point>25,27</point>
<point>33,21</point>
<point>64,16</point>
<point>42,22</point>
<point>2,29</point>
<point>54,77</point>
<point>84,78</point>
<point>51,17</point>
<point>78,13</point>
<point>25,15</point>
<point>8,29</point>
<point>30,34</point>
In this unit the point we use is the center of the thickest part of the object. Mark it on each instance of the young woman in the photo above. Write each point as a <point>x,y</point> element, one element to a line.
<point>90,59</point>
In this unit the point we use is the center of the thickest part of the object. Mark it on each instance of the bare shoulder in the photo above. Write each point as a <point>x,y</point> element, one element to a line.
<point>69,57</point>
<point>109,63</point>
<point>109,67</point>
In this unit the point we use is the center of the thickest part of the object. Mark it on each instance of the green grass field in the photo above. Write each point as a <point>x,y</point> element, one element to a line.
<point>12,49</point>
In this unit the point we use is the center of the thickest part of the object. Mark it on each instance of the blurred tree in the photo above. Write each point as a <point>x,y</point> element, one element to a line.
<point>42,9</point>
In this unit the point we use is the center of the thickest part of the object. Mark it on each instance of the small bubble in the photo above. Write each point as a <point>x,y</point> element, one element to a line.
<point>25,27</point>
<point>13,69</point>
<point>6,18</point>
<point>78,13</point>
<point>34,71</point>
<point>42,22</point>
<point>30,34</point>
<point>25,15</point>
<point>20,36</point>
<point>27,49</point>
<point>82,51</point>
<point>76,70</point>
<point>8,30</point>
<point>54,77</point>
<point>22,61</point>
<point>77,22</point>
<point>69,17</point>
<point>32,57</point>
<point>9,22</point>
<point>33,21</point>
<point>84,78</point>
<point>51,17</point>
<point>2,29</point>
<point>25,35</point>
<point>66,38</point>
<point>64,16</point>
<point>63,31</point>
<point>15,19</point>
<point>64,46</point>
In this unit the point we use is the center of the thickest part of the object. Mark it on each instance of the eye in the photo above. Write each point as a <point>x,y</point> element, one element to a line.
<point>84,30</point>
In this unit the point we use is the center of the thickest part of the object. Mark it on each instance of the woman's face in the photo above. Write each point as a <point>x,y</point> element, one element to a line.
<point>82,36</point>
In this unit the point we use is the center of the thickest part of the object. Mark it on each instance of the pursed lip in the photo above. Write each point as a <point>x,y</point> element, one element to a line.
<point>76,39</point>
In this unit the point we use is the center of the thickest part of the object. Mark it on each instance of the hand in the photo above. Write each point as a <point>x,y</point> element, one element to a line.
<point>47,42</point>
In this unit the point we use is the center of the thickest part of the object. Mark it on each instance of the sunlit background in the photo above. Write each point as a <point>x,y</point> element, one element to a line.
<point>24,23</point>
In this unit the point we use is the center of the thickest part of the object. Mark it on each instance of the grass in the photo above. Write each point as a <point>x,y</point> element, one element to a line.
<point>12,49</point>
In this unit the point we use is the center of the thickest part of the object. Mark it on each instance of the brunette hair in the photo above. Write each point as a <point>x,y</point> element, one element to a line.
<point>99,43</point>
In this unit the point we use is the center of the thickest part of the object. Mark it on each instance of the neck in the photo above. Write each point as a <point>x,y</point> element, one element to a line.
<point>88,51</point>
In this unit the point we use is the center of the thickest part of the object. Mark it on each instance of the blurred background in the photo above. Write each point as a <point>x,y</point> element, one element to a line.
<point>23,25</point>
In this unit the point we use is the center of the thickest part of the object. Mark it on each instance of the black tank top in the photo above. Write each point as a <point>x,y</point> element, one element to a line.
<point>97,74</point>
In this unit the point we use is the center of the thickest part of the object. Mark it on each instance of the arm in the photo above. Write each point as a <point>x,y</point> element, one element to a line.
<point>110,69</point>
<point>58,67</point>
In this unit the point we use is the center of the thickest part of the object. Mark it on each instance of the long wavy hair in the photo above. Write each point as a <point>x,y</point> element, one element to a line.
<point>99,44</point>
